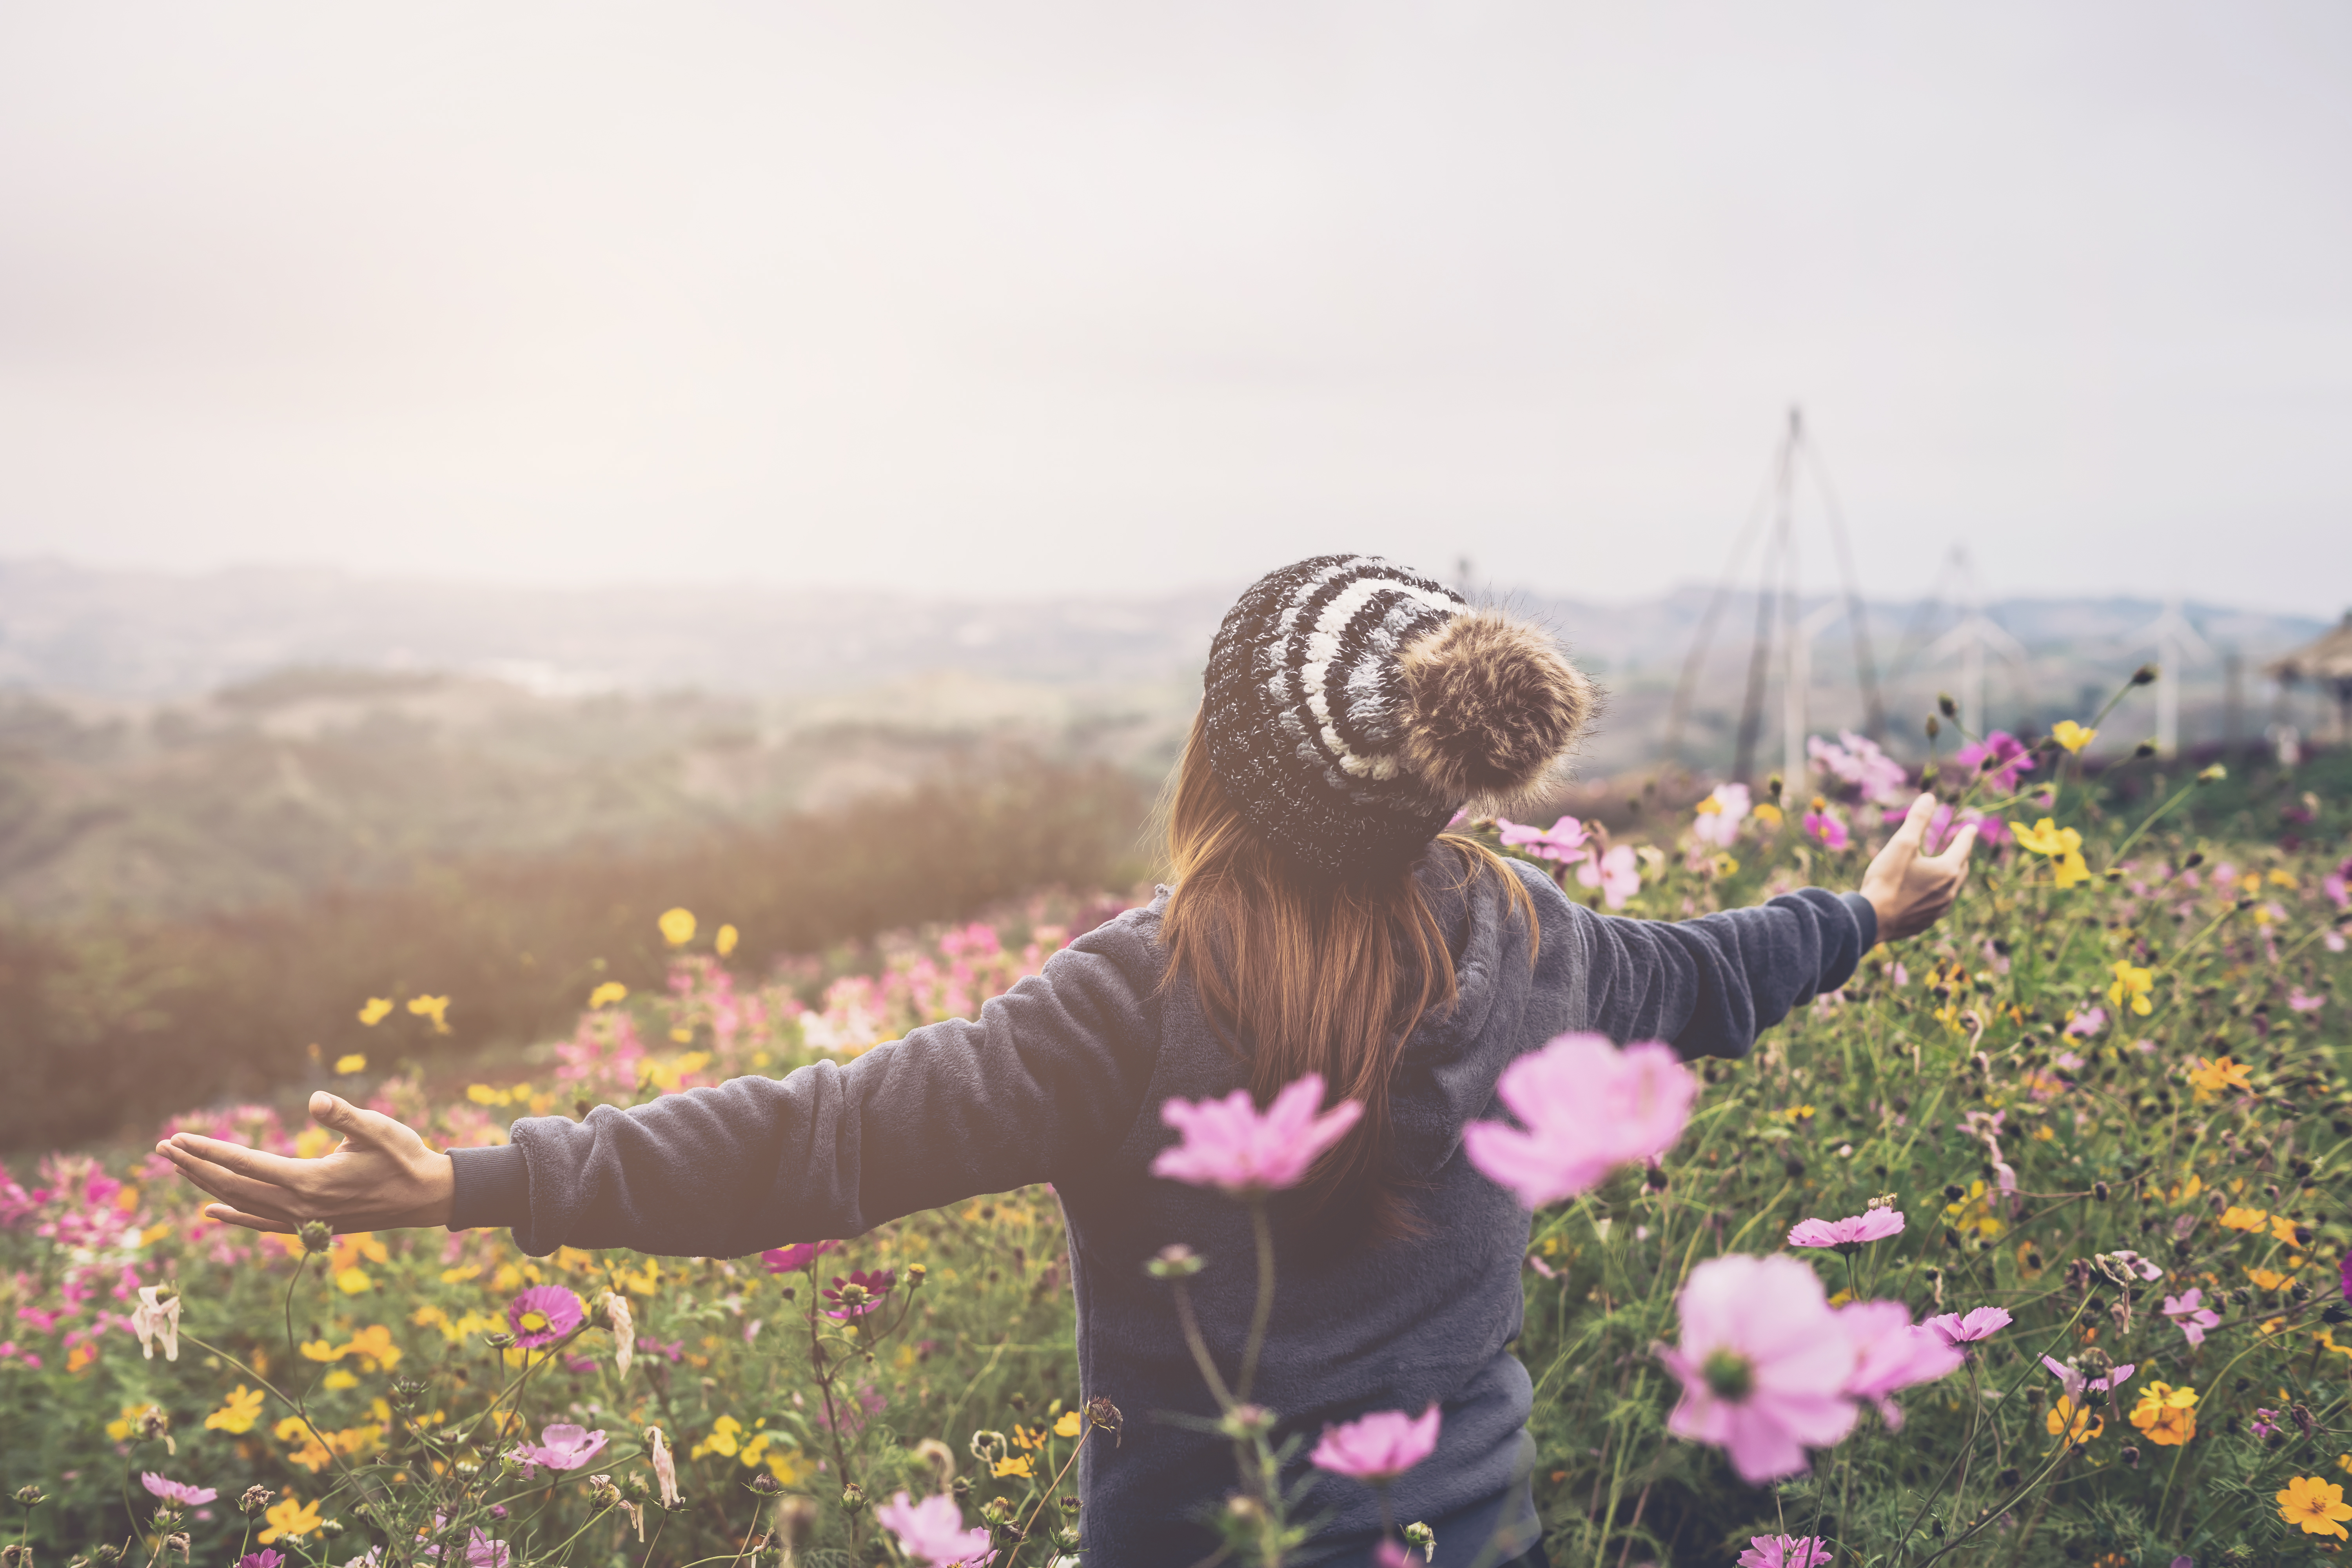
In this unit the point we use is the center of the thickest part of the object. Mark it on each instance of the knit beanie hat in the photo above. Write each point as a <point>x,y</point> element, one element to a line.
<point>1352,707</point>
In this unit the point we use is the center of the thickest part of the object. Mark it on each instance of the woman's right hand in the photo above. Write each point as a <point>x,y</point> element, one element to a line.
<point>380,1177</point>
<point>1912,891</point>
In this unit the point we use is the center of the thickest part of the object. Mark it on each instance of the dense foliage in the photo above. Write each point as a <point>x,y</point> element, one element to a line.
<point>2108,1098</point>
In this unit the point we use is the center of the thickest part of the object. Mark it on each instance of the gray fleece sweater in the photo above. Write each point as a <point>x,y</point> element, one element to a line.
<point>1061,1079</point>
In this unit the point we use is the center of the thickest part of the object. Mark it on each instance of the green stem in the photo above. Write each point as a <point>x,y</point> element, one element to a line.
<point>1263,1313</point>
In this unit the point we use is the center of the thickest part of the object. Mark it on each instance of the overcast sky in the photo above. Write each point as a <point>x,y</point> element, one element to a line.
<point>1007,298</point>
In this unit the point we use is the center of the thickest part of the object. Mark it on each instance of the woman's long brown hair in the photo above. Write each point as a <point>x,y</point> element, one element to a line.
<point>1304,974</point>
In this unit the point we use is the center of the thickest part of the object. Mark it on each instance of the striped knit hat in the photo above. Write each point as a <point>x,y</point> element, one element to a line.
<point>1352,707</point>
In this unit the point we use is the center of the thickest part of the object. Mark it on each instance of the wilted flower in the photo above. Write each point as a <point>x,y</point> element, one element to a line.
<point>1764,1364</point>
<point>1982,1322</point>
<point>157,1318</point>
<point>1587,1108</point>
<point>1228,1143</point>
<point>1379,1448</point>
<point>543,1315</point>
<point>1846,1235</point>
<point>624,1325</point>
<point>561,1447</point>
<point>932,1531</point>
<point>665,1465</point>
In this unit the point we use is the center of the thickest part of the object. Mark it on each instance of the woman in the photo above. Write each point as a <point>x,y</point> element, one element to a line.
<point>1320,921</point>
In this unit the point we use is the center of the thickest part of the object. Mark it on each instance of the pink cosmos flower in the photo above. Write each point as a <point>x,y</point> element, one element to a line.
<point>1561,841</point>
<point>2146,1269</point>
<point>873,1288</point>
<point>1825,827</point>
<point>2338,889</point>
<point>1720,815</point>
<point>793,1258</point>
<point>1890,1353</point>
<point>1858,760</point>
<point>1871,1224</point>
<point>1379,1448</point>
<point>1587,1107</point>
<point>2188,1311</point>
<point>1764,1364</point>
<point>175,1491</point>
<point>2302,1002</point>
<point>1979,1323</point>
<point>267,1558</point>
<point>1617,874</point>
<point>1999,757</point>
<point>1228,1143</point>
<point>2086,1024</point>
<point>1785,1552</point>
<point>2071,1377</point>
<point>932,1531</point>
<point>543,1315</point>
<point>563,1446</point>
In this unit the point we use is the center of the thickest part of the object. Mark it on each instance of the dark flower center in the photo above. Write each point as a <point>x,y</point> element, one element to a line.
<point>1728,1374</point>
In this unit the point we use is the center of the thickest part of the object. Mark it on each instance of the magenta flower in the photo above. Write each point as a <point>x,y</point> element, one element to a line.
<point>1764,1364</point>
<point>2188,1311</point>
<point>561,1447</point>
<point>1561,841</point>
<point>1379,1448</point>
<point>1228,1143</point>
<point>1616,874</point>
<point>793,1258</point>
<point>932,1531</point>
<point>1980,1324</point>
<point>1785,1552</point>
<point>1587,1108</point>
<point>265,1558</point>
<point>1828,829</point>
<point>863,1291</point>
<point>543,1315</point>
<point>175,1491</point>
<point>2000,757</point>
<point>1890,1353</point>
<point>1846,1235</point>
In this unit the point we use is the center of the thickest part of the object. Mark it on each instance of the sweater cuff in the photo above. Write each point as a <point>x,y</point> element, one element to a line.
<point>1865,920</point>
<point>493,1188</point>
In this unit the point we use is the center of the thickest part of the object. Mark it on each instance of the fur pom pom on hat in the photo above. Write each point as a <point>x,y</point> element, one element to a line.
<point>1352,707</point>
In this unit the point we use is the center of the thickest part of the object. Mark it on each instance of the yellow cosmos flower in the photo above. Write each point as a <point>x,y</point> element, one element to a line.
<point>1016,1466</point>
<point>1767,814</point>
<point>1067,1426</point>
<point>433,1007</point>
<point>2315,1505</point>
<point>677,927</point>
<point>351,1064</point>
<point>2165,1414</point>
<point>2132,985</point>
<point>610,991</point>
<point>2219,1074</point>
<point>290,1518</point>
<point>2270,1279</point>
<point>378,1008</point>
<point>2237,1218</point>
<point>726,1435</point>
<point>2072,736</point>
<point>237,1412</point>
<point>2077,1427</point>
<point>724,942</point>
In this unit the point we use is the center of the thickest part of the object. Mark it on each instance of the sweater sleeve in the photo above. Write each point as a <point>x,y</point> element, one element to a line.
<point>1709,985</point>
<point>1043,1085</point>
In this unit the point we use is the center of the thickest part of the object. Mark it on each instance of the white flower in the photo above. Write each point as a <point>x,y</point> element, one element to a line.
<point>624,1330</point>
<point>664,1467</point>
<point>154,1319</point>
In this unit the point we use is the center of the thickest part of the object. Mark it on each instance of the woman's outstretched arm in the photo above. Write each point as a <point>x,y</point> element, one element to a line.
<point>1050,1077</point>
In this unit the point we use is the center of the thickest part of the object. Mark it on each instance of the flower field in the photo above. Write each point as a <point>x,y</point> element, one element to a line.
<point>2028,1247</point>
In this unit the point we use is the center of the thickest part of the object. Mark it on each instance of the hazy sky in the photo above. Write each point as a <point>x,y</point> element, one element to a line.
<point>1003,297</point>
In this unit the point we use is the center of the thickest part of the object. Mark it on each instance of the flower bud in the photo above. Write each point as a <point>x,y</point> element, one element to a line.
<point>2213,774</point>
<point>1422,1539</point>
<point>1945,706</point>
<point>852,1499</point>
<point>1935,728</point>
<point>2130,1456</point>
<point>2143,675</point>
<point>255,1500</point>
<point>316,1236</point>
<point>2144,750</point>
<point>31,1496</point>
<point>1175,1261</point>
<point>1104,1416</point>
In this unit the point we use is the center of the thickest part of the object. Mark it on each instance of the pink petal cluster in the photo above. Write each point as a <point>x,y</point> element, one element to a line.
<point>1587,1107</point>
<point>1228,1143</point>
<point>1563,840</point>
<point>1616,874</point>
<point>2188,1311</point>
<point>1871,1224</point>
<point>1858,760</point>
<point>793,1258</point>
<point>176,1492</point>
<point>1763,1363</point>
<point>1891,1353</point>
<point>1379,1448</point>
<point>1719,827</point>
<point>559,1309</point>
<point>1999,757</point>
<point>1785,1552</point>
<point>1827,829</point>
<point>561,1447</point>
<point>932,1531</point>
<point>1979,1323</point>
<point>2070,1376</point>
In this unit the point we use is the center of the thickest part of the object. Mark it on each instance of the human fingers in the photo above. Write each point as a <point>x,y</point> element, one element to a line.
<point>1914,831</point>
<point>227,1185</point>
<point>1956,854</point>
<point>358,1124</point>
<point>255,1164</point>
<point>229,1216</point>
